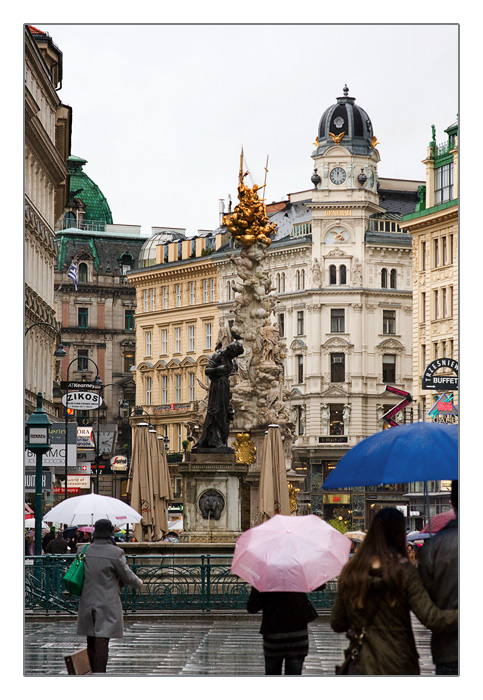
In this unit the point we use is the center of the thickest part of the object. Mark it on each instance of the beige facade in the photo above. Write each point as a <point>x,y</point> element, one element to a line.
<point>47,146</point>
<point>434,228</point>
<point>176,332</point>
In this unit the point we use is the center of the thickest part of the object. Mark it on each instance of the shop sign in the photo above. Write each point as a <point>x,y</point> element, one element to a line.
<point>338,499</point>
<point>389,416</point>
<point>75,481</point>
<point>72,491</point>
<point>443,406</point>
<point>333,438</point>
<point>85,437</point>
<point>119,463</point>
<point>30,481</point>
<point>82,400</point>
<point>55,457</point>
<point>430,380</point>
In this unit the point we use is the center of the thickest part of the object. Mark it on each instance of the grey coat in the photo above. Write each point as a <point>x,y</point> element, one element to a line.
<point>100,609</point>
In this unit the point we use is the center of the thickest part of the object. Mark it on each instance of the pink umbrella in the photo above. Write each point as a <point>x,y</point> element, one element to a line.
<point>290,553</point>
<point>86,528</point>
<point>439,521</point>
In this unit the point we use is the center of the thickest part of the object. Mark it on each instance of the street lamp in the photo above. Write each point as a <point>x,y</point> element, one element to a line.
<point>38,442</point>
<point>60,352</point>
<point>124,404</point>
<point>98,383</point>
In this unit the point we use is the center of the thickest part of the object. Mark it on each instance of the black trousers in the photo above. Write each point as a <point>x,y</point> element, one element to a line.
<point>293,665</point>
<point>98,651</point>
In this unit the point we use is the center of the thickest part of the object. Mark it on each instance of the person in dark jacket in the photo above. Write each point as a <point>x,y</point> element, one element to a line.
<point>438,566</point>
<point>377,589</point>
<point>48,537</point>
<point>100,609</point>
<point>285,617</point>
<point>57,546</point>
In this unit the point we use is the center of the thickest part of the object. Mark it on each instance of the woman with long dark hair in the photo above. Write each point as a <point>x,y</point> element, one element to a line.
<point>377,589</point>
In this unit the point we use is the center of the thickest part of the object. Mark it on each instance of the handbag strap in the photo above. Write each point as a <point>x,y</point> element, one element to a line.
<point>81,554</point>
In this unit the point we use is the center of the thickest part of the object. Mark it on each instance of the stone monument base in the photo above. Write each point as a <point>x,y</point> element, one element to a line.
<point>212,494</point>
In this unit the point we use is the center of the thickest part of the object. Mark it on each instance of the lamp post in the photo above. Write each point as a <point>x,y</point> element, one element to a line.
<point>124,404</point>
<point>97,382</point>
<point>38,442</point>
<point>60,352</point>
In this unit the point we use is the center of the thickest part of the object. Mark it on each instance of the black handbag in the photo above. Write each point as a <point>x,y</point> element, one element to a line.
<point>351,665</point>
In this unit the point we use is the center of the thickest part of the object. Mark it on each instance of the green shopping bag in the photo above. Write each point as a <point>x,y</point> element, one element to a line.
<point>73,579</point>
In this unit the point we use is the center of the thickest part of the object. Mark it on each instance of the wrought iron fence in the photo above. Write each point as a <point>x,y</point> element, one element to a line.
<point>170,582</point>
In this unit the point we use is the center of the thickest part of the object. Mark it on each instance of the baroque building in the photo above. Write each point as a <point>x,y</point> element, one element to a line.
<point>341,270</point>
<point>47,146</point>
<point>97,318</point>
<point>341,266</point>
<point>434,230</point>
<point>177,292</point>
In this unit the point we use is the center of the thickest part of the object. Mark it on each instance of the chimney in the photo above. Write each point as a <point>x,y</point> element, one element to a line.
<point>222,210</point>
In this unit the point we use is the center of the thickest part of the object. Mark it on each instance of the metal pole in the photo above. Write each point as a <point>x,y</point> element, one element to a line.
<point>38,503</point>
<point>98,445</point>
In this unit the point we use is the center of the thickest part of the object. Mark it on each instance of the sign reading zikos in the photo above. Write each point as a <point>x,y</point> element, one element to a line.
<point>443,382</point>
<point>82,400</point>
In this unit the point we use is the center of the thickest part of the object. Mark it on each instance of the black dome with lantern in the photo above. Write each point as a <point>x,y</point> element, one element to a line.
<point>347,118</point>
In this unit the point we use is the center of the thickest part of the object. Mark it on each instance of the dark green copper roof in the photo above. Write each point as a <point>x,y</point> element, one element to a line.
<point>81,186</point>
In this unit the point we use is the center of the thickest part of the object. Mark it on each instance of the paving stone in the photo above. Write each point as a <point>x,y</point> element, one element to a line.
<point>217,646</point>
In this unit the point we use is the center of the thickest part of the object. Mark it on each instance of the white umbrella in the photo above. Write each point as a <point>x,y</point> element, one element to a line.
<point>85,510</point>
<point>30,524</point>
<point>175,525</point>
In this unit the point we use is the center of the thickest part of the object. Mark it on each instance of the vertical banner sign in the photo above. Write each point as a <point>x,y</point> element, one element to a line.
<point>389,416</point>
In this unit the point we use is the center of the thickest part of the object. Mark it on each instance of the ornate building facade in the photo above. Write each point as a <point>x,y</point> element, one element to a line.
<point>341,269</point>
<point>434,230</point>
<point>47,146</point>
<point>97,320</point>
<point>177,292</point>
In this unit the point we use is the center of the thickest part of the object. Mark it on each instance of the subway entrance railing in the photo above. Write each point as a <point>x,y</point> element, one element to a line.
<point>171,582</point>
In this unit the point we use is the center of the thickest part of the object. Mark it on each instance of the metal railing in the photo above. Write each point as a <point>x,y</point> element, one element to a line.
<point>170,582</point>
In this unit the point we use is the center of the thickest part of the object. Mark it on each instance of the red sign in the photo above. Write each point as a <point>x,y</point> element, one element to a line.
<point>59,489</point>
<point>388,417</point>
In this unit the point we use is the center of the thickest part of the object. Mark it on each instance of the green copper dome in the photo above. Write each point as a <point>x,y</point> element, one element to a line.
<point>81,186</point>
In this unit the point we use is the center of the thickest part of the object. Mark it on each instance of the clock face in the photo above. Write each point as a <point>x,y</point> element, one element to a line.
<point>337,175</point>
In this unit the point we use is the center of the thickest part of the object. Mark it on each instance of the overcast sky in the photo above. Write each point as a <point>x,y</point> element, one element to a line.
<point>160,112</point>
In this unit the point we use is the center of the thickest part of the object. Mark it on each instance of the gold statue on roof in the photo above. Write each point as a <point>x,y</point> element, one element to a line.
<point>337,139</point>
<point>249,222</point>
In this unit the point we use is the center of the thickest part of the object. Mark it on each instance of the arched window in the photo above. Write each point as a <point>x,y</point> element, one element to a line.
<point>69,219</point>
<point>228,290</point>
<point>342,274</point>
<point>384,278</point>
<point>297,275</point>
<point>332,275</point>
<point>278,281</point>
<point>393,277</point>
<point>126,263</point>
<point>302,280</point>
<point>283,282</point>
<point>83,273</point>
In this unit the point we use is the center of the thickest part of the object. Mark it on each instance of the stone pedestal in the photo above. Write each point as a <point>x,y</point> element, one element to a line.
<point>212,490</point>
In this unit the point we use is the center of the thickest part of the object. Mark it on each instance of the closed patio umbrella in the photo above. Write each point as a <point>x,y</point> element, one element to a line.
<point>163,492</point>
<point>273,496</point>
<point>140,486</point>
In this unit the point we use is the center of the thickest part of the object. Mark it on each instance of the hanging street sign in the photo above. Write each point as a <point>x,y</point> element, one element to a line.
<point>441,382</point>
<point>82,400</point>
<point>82,386</point>
<point>389,416</point>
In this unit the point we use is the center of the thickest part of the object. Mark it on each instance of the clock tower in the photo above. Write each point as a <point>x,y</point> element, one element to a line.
<point>345,159</point>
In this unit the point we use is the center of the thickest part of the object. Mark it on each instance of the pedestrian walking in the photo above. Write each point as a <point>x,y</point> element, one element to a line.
<point>285,617</point>
<point>100,610</point>
<point>57,546</point>
<point>411,554</point>
<point>377,589</point>
<point>48,537</point>
<point>438,566</point>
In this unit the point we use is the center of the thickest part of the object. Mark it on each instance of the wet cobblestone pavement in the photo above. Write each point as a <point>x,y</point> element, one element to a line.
<point>208,645</point>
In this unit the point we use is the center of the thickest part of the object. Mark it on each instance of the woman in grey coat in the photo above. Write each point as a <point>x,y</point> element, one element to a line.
<point>100,610</point>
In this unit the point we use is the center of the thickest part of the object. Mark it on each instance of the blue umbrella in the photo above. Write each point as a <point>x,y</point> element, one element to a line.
<point>413,536</point>
<point>399,455</point>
